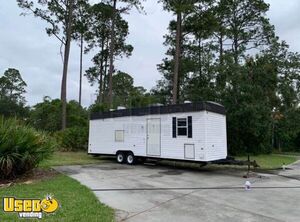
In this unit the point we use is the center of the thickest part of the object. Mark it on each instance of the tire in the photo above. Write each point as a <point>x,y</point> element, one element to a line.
<point>120,157</point>
<point>130,159</point>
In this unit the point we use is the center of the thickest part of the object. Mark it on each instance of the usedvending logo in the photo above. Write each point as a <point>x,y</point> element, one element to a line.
<point>30,208</point>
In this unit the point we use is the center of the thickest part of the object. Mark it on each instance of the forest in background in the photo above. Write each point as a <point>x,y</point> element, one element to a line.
<point>217,50</point>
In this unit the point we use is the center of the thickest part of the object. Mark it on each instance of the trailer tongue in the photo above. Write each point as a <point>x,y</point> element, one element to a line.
<point>232,161</point>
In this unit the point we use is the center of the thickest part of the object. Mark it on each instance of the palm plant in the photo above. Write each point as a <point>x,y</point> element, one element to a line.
<point>22,148</point>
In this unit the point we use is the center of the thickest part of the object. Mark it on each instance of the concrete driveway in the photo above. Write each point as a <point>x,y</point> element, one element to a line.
<point>157,193</point>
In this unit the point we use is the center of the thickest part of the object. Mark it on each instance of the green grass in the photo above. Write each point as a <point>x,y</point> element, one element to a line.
<point>287,153</point>
<point>271,161</point>
<point>266,162</point>
<point>70,158</point>
<point>77,203</point>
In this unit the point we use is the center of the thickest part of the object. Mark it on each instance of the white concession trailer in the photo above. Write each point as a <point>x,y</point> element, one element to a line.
<point>189,131</point>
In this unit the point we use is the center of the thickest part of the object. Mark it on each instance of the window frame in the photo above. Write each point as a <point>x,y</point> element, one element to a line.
<point>119,131</point>
<point>182,127</point>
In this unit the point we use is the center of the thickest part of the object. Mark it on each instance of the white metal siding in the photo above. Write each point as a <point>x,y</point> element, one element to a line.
<point>173,148</point>
<point>216,138</point>
<point>102,136</point>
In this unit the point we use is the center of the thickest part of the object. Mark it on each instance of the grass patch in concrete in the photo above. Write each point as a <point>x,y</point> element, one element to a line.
<point>270,161</point>
<point>71,158</point>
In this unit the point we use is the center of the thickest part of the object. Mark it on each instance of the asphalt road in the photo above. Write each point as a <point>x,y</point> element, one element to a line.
<point>158,193</point>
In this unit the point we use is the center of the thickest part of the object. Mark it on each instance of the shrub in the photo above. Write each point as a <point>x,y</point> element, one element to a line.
<point>98,107</point>
<point>72,139</point>
<point>21,148</point>
<point>47,115</point>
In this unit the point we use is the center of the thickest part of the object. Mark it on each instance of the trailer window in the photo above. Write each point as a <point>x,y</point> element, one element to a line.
<point>119,135</point>
<point>181,127</point>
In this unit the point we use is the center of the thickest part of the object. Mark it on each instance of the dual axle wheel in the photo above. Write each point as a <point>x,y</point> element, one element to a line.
<point>127,157</point>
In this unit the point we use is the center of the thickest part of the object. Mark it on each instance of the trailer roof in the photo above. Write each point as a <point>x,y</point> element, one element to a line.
<point>154,110</point>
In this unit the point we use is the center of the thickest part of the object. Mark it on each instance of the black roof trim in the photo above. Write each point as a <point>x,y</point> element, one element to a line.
<point>152,110</point>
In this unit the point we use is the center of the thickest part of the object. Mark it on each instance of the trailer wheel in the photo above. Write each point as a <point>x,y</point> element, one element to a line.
<point>120,157</point>
<point>130,159</point>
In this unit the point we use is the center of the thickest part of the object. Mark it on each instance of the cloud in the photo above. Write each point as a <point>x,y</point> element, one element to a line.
<point>146,35</point>
<point>285,16</point>
<point>25,45</point>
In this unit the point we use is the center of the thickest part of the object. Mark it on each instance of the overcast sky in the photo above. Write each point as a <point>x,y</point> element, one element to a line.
<point>24,45</point>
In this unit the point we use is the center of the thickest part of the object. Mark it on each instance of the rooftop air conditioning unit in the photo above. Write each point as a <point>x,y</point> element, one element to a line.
<point>156,104</point>
<point>121,107</point>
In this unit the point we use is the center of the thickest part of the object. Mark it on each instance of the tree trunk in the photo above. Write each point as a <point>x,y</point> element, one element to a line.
<point>111,53</point>
<point>177,58</point>
<point>100,84</point>
<point>200,57</point>
<point>105,82</point>
<point>63,96</point>
<point>80,69</point>
<point>221,50</point>
<point>221,76</point>
<point>236,58</point>
<point>236,48</point>
<point>101,78</point>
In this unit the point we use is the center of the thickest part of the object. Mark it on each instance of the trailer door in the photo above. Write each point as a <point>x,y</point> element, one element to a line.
<point>153,137</point>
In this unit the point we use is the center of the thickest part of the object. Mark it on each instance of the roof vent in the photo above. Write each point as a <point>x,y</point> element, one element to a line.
<point>156,104</point>
<point>187,101</point>
<point>121,107</point>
